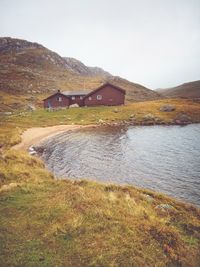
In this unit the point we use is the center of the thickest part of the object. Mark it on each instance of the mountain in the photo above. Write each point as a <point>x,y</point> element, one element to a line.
<point>78,67</point>
<point>29,69</point>
<point>186,90</point>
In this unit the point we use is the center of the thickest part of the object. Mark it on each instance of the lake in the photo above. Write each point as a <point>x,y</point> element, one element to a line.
<point>163,158</point>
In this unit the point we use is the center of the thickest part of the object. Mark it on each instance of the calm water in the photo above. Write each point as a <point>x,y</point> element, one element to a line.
<point>162,158</point>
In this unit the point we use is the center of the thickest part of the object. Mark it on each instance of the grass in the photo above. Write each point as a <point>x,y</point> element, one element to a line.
<point>48,222</point>
<point>45,222</point>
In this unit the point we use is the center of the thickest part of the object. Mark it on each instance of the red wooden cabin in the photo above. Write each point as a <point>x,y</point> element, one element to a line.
<point>107,95</point>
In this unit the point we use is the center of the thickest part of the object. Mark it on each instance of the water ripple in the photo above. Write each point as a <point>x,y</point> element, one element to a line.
<point>163,158</point>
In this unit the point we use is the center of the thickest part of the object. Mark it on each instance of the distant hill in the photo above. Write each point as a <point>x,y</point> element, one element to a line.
<point>186,90</point>
<point>32,70</point>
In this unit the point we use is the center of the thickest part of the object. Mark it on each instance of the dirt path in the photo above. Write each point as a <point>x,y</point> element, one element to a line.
<point>35,135</point>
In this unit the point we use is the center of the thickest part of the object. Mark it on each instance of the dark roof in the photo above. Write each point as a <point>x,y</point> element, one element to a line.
<point>74,93</point>
<point>59,93</point>
<point>70,93</point>
<point>103,85</point>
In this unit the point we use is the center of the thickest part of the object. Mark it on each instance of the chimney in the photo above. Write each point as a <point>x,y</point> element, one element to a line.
<point>58,91</point>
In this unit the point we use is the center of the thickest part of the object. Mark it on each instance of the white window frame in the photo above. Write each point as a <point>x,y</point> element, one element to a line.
<point>89,98</point>
<point>99,97</point>
<point>59,98</point>
<point>81,97</point>
<point>73,97</point>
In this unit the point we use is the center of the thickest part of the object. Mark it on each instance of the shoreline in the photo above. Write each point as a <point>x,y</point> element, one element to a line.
<point>35,135</point>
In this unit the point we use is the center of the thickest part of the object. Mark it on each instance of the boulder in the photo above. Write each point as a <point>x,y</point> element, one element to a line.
<point>101,121</point>
<point>148,198</point>
<point>37,148</point>
<point>132,116</point>
<point>164,207</point>
<point>32,151</point>
<point>182,119</point>
<point>30,107</point>
<point>74,106</point>
<point>149,116</point>
<point>7,113</point>
<point>167,108</point>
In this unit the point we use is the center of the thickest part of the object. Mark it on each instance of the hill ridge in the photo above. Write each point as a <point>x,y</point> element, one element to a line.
<point>185,90</point>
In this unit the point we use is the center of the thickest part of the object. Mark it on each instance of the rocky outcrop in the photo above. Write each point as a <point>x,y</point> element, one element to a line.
<point>8,44</point>
<point>78,67</point>
<point>96,71</point>
<point>28,54</point>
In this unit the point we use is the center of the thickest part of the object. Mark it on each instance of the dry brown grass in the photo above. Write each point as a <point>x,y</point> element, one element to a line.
<point>47,222</point>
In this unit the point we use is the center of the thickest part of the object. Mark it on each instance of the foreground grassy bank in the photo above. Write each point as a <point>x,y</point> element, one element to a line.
<point>46,222</point>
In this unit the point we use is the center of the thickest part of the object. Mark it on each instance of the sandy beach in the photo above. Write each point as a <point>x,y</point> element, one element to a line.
<point>37,134</point>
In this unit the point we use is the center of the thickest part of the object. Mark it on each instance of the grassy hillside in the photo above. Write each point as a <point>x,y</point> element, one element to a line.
<point>48,222</point>
<point>30,71</point>
<point>186,90</point>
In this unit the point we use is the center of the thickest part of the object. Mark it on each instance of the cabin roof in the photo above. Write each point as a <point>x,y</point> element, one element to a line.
<point>104,85</point>
<point>76,93</point>
<point>70,93</point>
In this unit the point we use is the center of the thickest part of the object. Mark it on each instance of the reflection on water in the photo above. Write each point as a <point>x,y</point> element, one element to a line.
<point>163,158</point>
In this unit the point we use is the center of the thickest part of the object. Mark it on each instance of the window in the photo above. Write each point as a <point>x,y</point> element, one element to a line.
<point>90,98</point>
<point>73,97</point>
<point>99,97</point>
<point>81,97</point>
<point>59,98</point>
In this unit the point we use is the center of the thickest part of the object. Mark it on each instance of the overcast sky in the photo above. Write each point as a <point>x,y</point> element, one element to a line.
<point>153,42</point>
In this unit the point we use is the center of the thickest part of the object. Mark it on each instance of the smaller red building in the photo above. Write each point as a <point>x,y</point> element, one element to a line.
<point>107,95</point>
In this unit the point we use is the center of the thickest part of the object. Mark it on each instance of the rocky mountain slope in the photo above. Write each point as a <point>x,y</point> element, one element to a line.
<point>78,67</point>
<point>32,70</point>
<point>186,90</point>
